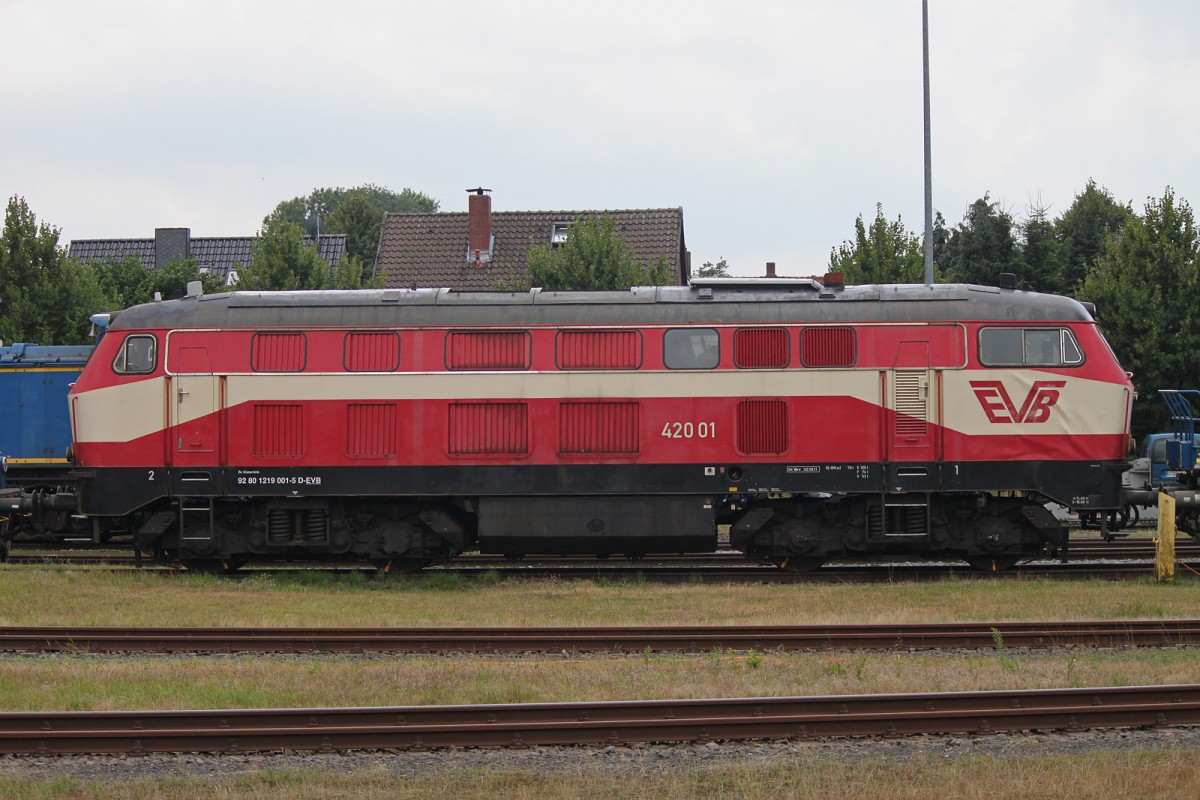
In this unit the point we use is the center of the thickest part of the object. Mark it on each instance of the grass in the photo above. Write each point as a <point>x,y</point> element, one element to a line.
<point>91,683</point>
<point>53,596</point>
<point>1157,775</point>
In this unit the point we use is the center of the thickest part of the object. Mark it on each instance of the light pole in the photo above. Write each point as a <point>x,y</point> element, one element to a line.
<point>928,167</point>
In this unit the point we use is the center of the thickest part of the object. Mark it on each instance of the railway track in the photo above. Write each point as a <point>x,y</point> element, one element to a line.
<point>956,635</point>
<point>117,555</point>
<point>609,723</point>
<point>670,573</point>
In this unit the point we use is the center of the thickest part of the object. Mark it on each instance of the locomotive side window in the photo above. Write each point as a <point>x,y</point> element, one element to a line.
<point>1016,347</point>
<point>760,348</point>
<point>691,348</point>
<point>137,356</point>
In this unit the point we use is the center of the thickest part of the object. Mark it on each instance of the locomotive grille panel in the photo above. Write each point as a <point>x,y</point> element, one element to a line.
<point>599,350</point>
<point>487,350</point>
<point>278,352</point>
<point>828,347</point>
<point>372,351</point>
<point>370,429</point>
<point>912,407</point>
<point>279,430</point>
<point>599,428</point>
<point>760,348</point>
<point>762,427</point>
<point>488,429</point>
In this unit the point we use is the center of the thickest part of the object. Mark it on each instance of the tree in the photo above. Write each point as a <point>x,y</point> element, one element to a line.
<point>710,270</point>
<point>356,212</point>
<point>1083,231</point>
<point>361,221</point>
<point>282,261</point>
<point>1040,261</point>
<point>884,253</point>
<point>128,282</point>
<point>980,247</point>
<point>593,257</point>
<point>1146,287</point>
<point>44,296</point>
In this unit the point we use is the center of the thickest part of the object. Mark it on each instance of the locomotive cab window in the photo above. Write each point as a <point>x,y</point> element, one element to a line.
<point>1036,347</point>
<point>691,348</point>
<point>137,356</point>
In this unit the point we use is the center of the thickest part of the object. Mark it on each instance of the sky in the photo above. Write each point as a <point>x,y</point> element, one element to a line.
<point>773,125</point>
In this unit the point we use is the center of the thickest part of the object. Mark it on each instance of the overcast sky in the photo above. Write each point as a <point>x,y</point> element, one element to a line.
<point>772,124</point>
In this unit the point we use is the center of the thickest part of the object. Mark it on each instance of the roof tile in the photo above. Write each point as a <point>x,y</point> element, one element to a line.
<point>219,254</point>
<point>430,250</point>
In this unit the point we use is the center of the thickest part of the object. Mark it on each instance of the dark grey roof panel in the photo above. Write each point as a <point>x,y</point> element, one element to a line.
<point>671,305</point>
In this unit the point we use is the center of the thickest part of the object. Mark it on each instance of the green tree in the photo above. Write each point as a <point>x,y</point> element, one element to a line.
<point>886,252</point>
<point>980,247</point>
<point>128,282</point>
<point>1040,260</point>
<point>361,220</point>
<point>45,297</point>
<point>1146,287</point>
<point>1084,229</point>
<point>357,212</point>
<point>710,270</point>
<point>593,257</point>
<point>282,261</point>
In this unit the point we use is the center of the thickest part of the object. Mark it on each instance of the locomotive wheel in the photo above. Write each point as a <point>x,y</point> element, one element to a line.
<point>986,563</point>
<point>799,563</point>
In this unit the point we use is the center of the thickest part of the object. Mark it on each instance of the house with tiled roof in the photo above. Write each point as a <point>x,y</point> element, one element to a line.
<point>216,255</point>
<point>479,249</point>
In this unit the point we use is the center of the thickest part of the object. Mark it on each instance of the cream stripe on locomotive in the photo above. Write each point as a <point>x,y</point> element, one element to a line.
<point>140,410</point>
<point>973,402</point>
<point>1026,401</point>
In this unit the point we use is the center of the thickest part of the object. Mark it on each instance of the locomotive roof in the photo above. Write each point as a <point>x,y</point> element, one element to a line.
<point>735,301</point>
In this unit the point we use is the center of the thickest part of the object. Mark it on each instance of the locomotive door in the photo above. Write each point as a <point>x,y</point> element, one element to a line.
<point>913,405</point>
<point>194,405</point>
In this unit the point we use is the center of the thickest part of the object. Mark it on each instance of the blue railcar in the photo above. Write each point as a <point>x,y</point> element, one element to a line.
<point>35,424</point>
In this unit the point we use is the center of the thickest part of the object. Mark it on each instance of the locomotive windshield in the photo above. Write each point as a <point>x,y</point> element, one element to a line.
<point>1015,347</point>
<point>136,356</point>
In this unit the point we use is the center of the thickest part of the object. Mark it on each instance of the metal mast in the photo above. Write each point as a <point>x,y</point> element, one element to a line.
<point>928,167</point>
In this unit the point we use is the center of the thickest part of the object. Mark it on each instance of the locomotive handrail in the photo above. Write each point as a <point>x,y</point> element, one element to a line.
<point>1182,404</point>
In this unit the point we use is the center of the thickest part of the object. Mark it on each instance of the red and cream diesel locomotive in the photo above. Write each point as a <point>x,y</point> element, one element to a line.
<point>406,426</point>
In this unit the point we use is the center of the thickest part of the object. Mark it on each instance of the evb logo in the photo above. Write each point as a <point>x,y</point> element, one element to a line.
<point>999,407</point>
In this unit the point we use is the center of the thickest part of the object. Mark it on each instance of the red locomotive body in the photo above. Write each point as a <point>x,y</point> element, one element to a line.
<point>408,425</point>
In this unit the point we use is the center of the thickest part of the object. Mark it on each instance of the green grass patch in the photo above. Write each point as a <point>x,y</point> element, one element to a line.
<point>298,598</point>
<point>1146,775</point>
<point>107,683</point>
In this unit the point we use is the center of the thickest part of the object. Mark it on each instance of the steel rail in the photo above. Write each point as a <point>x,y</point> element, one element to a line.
<point>116,552</point>
<point>423,727</point>
<point>634,639</point>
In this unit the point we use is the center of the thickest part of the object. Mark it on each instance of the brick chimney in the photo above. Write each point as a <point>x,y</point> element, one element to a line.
<point>770,269</point>
<point>479,226</point>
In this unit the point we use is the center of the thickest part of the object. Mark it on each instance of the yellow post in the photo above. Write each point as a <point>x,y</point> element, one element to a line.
<point>1164,543</point>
